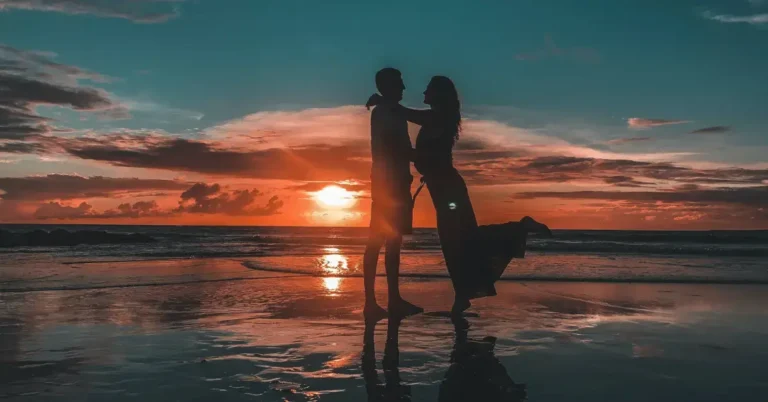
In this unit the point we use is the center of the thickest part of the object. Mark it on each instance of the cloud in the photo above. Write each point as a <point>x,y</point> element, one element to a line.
<point>200,198</point>
<point>32,79</point>
<point>141,11</point>
<point>55,210</point>
<point>580,54</point>
<point>205,199</point>
<point>756,19</point>
<point>65,187</point>
<point>20,147</point>
<point>154,108</point>
<point>279,129</point>
<point>711,130</point>
<point>624,181</point>
<point>140,209</point>
<point>564,169</point>
<point>621,141</point>
<point>308,162</point>
<point>746,196</point>
<point>640,123</point>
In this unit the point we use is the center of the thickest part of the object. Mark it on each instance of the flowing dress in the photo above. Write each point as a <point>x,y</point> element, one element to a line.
<point>475,256</point>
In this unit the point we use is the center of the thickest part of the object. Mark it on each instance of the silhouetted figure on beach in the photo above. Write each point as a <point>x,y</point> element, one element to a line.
<point>475,373</point>
<point>392,389</point>
<point>391,206</point>
<point>475,256</point>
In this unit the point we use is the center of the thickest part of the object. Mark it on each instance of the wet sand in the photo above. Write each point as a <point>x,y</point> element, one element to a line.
<point>250,335</point>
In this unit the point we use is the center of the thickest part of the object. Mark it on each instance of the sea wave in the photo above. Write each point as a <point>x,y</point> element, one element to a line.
<point>530,278</point>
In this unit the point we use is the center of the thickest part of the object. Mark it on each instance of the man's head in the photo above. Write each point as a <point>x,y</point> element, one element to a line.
<point>389,82</point>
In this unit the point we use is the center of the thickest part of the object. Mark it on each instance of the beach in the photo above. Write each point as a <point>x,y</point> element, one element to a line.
<point>205,329</point>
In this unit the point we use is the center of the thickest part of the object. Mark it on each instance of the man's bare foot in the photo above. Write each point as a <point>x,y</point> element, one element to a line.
<point>531,226</point>
<point>460,306</point>
<point>374,312</point>
<point>402,308</point>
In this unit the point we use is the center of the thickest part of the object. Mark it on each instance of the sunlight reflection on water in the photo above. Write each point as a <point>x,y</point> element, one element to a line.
<point>333,263</point>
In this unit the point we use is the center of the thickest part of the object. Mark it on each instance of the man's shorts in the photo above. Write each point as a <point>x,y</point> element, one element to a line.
<point>392,210</point>
<point>391,219</point>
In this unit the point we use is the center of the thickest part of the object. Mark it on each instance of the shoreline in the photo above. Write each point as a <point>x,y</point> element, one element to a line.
<point>246,270</point>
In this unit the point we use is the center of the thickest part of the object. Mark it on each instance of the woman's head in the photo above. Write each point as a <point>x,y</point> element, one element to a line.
<point>442,96</point>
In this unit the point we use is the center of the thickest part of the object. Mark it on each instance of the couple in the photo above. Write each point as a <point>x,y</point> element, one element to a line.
<point>474,255</point>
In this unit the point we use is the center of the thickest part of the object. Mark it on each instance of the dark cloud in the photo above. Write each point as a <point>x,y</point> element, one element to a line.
<point>142,11</point>
<point>624,181</point>
<point>310,162</point>
<point>209,199</point>
<point>64,187</point>
<point>21,147</point>
<point>561,169</point>
<point>620,141</point>
<point>201,198</point>
<point>711,130</point>
<point>30,79</point>
<point>55,210</point>
<point>138,209</point>
<point>748,196</point>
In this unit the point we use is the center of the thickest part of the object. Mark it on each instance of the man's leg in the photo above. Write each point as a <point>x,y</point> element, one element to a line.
<point>392,264</point>
<point>397,306</point>
<point>372,310</point>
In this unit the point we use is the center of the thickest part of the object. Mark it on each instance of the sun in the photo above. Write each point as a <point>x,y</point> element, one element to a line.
<point>334,197</point>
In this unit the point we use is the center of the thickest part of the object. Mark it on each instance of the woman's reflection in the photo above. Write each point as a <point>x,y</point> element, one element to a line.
<point>475,373</point>
<point>392,389</point>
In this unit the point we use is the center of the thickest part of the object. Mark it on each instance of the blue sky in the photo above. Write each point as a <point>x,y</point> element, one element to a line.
<point>570,71</point>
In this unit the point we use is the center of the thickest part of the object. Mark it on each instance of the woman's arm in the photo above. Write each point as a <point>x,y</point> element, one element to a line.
<point>415,116</point>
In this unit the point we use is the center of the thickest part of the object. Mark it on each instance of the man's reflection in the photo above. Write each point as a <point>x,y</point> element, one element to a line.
<point>392,389</point>
<point>475,373</point>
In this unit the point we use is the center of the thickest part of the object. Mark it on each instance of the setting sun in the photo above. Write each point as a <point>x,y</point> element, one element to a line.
<point>334,197</point>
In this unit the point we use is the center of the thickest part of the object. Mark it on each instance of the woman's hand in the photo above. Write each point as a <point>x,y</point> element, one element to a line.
<point>374,100</point>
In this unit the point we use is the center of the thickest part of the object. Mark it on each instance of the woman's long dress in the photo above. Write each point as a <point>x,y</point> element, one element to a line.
<point>475,256</point>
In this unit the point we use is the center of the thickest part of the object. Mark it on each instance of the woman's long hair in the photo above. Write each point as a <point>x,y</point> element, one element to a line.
<point>446,98</point>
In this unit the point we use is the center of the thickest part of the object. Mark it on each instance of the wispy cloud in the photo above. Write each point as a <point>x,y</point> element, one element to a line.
<point>154,108</point>
<point>141,11</point>
<point>641,123</point>
<point>755,19</point>
<point>620,141</point>
<point>749,196</point>
<point>711,130</point>
<point>31,79</point>
<point>67,186</point>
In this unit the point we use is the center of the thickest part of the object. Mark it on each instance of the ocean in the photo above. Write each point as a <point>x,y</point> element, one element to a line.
<point>571,255</point>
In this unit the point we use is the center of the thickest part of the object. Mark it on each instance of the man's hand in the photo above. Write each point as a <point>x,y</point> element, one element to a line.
<point>374,100</point>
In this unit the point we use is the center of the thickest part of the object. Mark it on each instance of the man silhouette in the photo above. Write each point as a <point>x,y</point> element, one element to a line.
<point>391,206</point>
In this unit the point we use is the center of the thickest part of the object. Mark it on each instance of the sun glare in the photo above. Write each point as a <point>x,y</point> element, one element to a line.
<point>334,197</point>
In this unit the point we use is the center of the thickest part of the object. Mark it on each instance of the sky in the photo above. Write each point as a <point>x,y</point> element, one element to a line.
<point>606,115</point>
